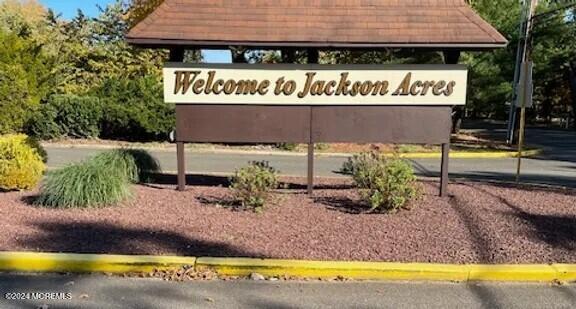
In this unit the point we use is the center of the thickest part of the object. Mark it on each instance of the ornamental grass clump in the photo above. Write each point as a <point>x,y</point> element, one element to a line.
<point>84,185</point>
<point>137,165</point>
<point>253,184</point>
<point>100,181</point>
<point>21,162</point>
<point>385,184</point>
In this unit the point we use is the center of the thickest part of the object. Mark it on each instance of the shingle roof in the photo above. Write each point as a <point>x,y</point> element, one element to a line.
<point>316,23</point>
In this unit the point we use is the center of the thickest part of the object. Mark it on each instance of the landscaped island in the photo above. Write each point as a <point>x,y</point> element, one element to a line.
<point>480,223</point>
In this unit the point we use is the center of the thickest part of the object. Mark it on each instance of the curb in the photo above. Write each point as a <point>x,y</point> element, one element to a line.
<point>88,263</point>
<point>119,264</point>
<point>390,271</point>
<point>416,155</point>
<point>473,155</point>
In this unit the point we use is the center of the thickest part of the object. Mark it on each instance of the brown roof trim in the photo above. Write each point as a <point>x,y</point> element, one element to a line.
<point>167,43</point>
<point>342,24</point>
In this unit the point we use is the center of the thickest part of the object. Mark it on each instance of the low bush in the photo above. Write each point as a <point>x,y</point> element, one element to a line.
<point>252,184</point>
<point>21,162</point>
<point>385,184</point>
<point>100,181</point>
<point>67,115</point>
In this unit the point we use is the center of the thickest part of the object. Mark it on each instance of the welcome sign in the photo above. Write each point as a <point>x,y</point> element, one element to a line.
<point>316,84</point>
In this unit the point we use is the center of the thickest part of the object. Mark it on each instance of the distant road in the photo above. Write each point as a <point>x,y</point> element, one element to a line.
<point>543,170</point>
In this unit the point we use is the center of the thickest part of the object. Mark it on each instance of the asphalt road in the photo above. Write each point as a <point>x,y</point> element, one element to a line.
<point>541,170</point>
<point>94,291</point>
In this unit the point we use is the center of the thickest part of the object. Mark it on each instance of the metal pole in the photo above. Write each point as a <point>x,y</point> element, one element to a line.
<point>527,57</point>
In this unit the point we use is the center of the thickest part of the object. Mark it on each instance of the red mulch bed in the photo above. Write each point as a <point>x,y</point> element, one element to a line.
<point>480,223</point>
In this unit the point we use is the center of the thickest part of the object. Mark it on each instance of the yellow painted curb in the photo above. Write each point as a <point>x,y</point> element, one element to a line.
<point>88,263</point>
<point>415,155</point>
<point>472,155</point>
<point>94,263</point>
<point>565,272</point>
<point>317,269</point>
<point>523,273</point>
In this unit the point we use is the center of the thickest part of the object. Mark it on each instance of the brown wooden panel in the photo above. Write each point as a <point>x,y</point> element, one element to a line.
<point>330,124</point>
<point>390,124</point>
<point>242,124</point>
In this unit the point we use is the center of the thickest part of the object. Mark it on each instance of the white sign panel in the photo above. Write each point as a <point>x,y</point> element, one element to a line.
<point>315,84</point>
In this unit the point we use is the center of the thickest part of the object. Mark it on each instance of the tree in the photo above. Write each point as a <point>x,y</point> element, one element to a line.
<point>25,78</point>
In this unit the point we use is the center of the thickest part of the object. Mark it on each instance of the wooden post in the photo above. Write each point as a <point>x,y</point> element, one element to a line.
<point>181,166</point>
<point>310,169</point>
<point>444,170</point>
<point>450,57</point>
<point>177,55</point>
<point>313,56</point>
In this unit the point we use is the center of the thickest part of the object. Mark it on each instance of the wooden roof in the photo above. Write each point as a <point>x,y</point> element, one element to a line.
<point>316,23</point>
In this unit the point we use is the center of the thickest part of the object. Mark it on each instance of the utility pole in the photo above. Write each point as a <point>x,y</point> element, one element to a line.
<point>526,63</point>
<point>524,18</point>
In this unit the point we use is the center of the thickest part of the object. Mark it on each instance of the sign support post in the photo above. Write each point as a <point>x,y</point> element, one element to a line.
<point>444,170</point>
<point>313,56</point>
<point>450,57</point>
<point>177,55</point>
<point>181,157</point>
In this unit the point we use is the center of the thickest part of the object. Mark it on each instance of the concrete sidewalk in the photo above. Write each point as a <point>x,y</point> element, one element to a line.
<point>95,291</point>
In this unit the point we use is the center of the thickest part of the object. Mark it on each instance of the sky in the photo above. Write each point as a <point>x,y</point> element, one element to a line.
<point>68,9</point>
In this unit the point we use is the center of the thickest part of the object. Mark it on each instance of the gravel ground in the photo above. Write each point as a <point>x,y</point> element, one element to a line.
<point>479,223</point>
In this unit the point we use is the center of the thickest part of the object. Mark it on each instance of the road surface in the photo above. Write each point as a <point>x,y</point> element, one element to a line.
<point>541,170</point>
<point>95,291</point>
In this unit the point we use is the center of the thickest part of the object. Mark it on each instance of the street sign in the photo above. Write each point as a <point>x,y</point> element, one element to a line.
<point>310,85</point>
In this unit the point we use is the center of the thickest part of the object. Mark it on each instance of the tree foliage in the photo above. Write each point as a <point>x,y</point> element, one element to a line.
<point>43,55</point>
<point>25,78</point>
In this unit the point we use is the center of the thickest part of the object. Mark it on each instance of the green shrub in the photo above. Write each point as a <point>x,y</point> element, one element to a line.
<point>252,184</point>
<point>67,115</point>
<point>386,184</point>
<point>21,162</point>
<point>134,109</point>
<point>82,185</point>
<point>137,165</point>
<point>359,162</point>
